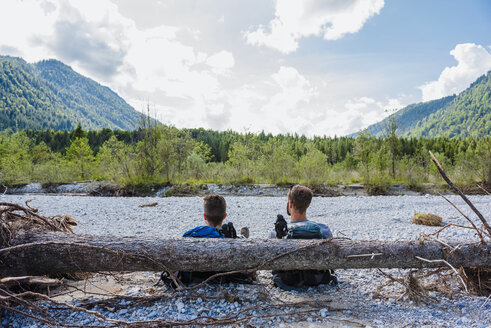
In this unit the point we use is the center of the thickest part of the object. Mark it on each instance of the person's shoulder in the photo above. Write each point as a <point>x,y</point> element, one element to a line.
<point>322,225</point>
<point>325,230</point>
<point>203,232</point>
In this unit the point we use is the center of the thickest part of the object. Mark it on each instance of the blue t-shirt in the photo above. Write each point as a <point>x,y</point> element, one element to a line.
<point>204,232</point>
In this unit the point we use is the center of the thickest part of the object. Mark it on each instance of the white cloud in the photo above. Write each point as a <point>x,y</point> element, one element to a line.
<point>364,111</point>
<point>472,61</point>
<point>294,95</point>
<point>221,62</point>
<point>98,41</point>
<point>298,19</point>
<point>189,80</point>
<point>361,103</point>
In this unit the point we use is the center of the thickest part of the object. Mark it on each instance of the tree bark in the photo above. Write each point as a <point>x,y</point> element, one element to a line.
<point>39,253</point>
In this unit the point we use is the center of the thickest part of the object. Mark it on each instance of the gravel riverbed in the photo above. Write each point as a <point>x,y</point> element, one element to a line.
<point>355,301</point>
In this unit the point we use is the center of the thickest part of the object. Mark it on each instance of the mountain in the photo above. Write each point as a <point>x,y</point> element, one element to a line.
<point>51,95</point>
<point>462,115</point>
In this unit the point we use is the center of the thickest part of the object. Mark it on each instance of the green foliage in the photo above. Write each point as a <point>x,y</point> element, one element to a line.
<point>312,166</point>
<point>162,155</point>
<point>465,115</point>
<point>80,157</point>
<point>276,163</point>
<point>364,148</point>
<point>15,158</point>
<point>50,95</point>
<point>116,161</point>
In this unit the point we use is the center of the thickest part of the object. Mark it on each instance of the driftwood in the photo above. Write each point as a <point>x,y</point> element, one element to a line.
<point>36,252</point>
<point>30,280</point>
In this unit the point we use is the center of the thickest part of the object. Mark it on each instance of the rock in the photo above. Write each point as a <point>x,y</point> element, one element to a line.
<point>179,305</point>
<point>324,313</point>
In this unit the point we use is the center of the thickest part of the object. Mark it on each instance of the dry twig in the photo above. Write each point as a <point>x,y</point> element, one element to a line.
<point>451,184</point>
<point>454,270</point>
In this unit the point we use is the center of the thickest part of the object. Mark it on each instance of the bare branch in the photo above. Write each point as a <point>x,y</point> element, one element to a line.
<point>451,184</point>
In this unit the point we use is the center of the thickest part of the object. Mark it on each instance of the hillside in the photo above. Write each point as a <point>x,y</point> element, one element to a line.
<point>51,95</point>
<point>464,115</point>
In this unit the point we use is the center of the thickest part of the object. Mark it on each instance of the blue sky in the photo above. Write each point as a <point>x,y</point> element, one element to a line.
<point>311,67</point>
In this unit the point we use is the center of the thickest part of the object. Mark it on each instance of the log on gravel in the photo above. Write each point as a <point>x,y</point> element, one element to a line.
<point>36,252</point>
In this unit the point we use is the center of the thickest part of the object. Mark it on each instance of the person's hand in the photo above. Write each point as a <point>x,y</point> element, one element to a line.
<point>229,230</point>
<point>280,226</point>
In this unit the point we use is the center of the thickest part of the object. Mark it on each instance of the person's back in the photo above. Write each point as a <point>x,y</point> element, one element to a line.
<point>299,198</point>
<point>215,212</point>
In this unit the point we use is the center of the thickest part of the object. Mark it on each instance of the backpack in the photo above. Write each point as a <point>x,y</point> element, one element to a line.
<point>304,230</point>
<point>300,278</point>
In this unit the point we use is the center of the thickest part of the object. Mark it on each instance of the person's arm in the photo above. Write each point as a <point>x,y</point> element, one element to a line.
<point>325,231</point>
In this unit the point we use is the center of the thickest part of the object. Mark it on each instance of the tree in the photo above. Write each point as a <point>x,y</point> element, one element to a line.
<point>392,140</point>
<point>15,158</point>
<point>242,157</point>
<point>182,148</point>
<point>116,160</point>
<point>148,158</point>
<point>78,132</point>
<point>483,152</point>
<point>41,154</point>
<point>196,165</point>
<point>80,156</point>
<point>276,161</point>
<point>166,151</point>
<point>313,165</point>
<point>363,151</point>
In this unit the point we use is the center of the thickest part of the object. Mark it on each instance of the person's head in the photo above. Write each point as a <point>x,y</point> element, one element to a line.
<point>299,198</point>
<point>215,210</point>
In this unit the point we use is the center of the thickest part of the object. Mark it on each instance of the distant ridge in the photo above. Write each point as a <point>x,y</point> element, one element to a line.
<point>463,115</point>
<point>51,95</point>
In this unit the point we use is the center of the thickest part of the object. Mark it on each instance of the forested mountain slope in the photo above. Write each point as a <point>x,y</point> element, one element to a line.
<point>51,95</point>
<point>464,115</point>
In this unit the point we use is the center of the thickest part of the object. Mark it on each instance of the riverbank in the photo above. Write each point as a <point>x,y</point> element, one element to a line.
<point>358,301</point>
<point>96,188</point>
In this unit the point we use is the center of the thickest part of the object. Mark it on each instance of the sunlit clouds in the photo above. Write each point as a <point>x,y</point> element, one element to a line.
<point>246,66</point>
<point>472,59</point>
<point>298,19</point>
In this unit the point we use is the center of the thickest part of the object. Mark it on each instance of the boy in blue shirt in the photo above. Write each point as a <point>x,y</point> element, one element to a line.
<point>215,211</point>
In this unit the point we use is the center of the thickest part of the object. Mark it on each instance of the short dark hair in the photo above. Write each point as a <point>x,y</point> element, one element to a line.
<point>300,196</point>
<point>215,209</point>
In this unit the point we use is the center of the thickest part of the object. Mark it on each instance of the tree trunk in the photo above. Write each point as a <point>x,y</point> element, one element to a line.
<point>37,253</point>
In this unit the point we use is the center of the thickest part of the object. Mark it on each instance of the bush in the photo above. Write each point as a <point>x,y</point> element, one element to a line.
<point>427,219</point>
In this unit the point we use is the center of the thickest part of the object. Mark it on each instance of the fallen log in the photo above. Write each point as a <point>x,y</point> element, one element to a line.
<point>36,252</point>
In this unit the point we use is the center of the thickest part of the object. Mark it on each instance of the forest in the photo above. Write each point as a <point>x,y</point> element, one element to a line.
<point>160,154</point>
<point>50,95</point>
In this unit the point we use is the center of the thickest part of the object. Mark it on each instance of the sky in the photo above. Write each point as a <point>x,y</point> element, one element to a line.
<point>312,67</point>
